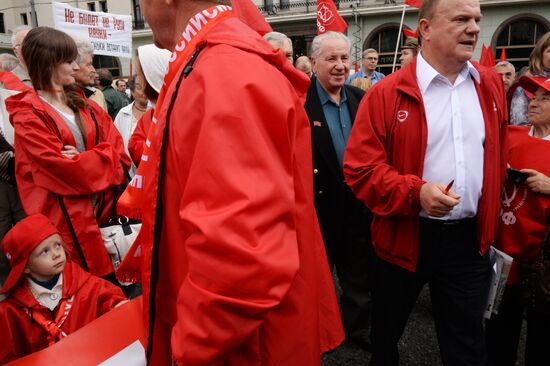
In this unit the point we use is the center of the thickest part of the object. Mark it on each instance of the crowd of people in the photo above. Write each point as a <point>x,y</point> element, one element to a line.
<point>254,188</point>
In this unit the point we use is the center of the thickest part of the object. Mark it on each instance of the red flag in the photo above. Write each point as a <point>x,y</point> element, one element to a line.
<point>251,16</point>
<point>328,18</point>
<point>487,57</point>
<point>502,55</point>
<point>410,34</point>
<point>357,67</point>
<point>414,3</point>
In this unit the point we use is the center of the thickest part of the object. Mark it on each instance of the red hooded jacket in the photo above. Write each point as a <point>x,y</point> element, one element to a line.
<point>384,160</point>
<point>43,174</point>
<point>240,269</point>
<point>21,335</point>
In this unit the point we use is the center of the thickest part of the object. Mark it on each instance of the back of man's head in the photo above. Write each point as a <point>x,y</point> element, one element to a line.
<point>303,64</point>
<point>17,37</point>
<point>8,62</point>
<point>105,77</point>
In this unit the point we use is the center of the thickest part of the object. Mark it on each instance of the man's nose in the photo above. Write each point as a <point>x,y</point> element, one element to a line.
<point>473,27</point>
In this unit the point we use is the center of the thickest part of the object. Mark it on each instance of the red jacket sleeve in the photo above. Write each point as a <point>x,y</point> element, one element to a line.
<point>107,294</point>
<point>89,172</point>
<point>239,207</point>
<point>110,134</point>
<point>137,140</point>
<point>367,170</point>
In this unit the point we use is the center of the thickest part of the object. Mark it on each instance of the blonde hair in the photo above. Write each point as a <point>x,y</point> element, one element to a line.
<point>361,83</point>
<point>536,66</point>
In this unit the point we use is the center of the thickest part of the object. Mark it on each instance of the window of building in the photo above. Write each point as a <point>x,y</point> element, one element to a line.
<point>107,62</point>
<point>91,6</point>
<point>268,6</point>
<point>285,4</point>
<point>2,25</point>
<point>139,22</point>
<point>383,39</point>
<point>24,19</point>
<point>518,36</point>
<point>103,6</point>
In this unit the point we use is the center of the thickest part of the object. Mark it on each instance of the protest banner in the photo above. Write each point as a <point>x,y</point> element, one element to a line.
<point>109,34</point>
<point>116,338</point>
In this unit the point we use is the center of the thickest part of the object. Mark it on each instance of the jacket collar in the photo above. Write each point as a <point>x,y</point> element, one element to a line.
<point>426,73</point>
<point>407,81</point>
<point>72,282</point>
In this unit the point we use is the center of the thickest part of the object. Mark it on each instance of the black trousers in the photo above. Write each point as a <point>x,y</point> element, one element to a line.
<point>504,328</point>
<point>458,278</point>
<point>350,258</point>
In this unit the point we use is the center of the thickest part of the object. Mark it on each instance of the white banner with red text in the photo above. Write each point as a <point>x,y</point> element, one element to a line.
<point>109,34</point>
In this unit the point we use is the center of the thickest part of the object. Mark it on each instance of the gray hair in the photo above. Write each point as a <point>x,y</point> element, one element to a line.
<point>505,63</point>
<point>17,30</point>
<point>369,50</point>
<point>318,41</point>
<point>84,48</point>
<point>279,38</point>
<point>8,61</point>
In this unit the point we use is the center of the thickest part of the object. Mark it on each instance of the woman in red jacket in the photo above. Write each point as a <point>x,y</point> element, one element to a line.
<point>524,219</point>
<point>70,157</point>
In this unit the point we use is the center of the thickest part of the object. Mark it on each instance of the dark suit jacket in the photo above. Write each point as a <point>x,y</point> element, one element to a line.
<point>340,214</point>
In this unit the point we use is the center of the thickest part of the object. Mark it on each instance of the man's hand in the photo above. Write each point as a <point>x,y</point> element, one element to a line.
<point>537,181</point>
<point>69,151</point>
<point>435,201</point>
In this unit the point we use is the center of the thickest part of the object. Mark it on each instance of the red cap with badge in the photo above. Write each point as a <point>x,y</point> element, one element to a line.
<point>20,241</point>
<point>532,83</point>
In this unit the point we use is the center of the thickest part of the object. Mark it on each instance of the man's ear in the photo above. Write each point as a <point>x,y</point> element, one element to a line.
<point>424,28</point>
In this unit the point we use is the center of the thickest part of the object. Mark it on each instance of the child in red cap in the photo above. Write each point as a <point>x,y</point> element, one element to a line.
<point>48,296</point>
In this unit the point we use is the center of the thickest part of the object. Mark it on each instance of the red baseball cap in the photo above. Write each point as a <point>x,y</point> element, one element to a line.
<point>532,83</point>
<point>19,243</point>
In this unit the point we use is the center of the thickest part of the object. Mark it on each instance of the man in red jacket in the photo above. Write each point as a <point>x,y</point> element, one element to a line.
<point>234,270</point>
<point>426,155</point>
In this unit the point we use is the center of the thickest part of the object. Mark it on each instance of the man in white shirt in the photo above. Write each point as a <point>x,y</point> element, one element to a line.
<point>426,156</point>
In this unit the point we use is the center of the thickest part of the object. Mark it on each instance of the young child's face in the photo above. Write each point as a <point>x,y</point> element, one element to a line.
<point>47,259</point>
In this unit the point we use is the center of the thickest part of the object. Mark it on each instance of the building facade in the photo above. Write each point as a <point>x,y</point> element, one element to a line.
<point>514,25</point>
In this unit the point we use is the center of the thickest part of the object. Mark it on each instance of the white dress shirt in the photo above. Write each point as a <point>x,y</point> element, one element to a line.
<point>456,135</point>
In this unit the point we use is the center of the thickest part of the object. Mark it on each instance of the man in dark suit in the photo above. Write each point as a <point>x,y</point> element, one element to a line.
<point>331,107</point>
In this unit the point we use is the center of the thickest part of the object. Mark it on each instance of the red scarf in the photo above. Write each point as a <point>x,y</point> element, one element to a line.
<point>132,200</point>
<point>53,327</point>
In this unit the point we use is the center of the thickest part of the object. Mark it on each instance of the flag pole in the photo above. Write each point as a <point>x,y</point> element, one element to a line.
<point>399,37</point>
